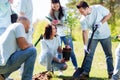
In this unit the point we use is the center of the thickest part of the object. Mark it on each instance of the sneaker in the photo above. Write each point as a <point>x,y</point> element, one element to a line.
<point>83,76</point>
<point>60,73</point>
<point>110,75</point>
<point>1,77</point>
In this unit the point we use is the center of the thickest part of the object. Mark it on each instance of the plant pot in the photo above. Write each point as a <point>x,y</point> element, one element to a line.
<point>66,53</point>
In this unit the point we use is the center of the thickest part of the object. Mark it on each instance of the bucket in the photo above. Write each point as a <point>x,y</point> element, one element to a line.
<point>66,53</point>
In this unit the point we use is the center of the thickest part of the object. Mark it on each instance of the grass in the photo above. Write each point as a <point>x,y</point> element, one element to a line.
<point>98,70</point>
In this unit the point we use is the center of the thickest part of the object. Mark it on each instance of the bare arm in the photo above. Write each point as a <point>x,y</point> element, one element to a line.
<point>59,49</point>
<point>85,37</point>
<point>106,18</point>
<point>22,14</point>
<point>22,43</point>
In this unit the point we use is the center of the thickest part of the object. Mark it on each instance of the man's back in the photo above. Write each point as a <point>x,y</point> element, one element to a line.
<point>8,43</point>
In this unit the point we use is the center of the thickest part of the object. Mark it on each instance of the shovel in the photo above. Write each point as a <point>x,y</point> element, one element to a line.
<point>77,73</point>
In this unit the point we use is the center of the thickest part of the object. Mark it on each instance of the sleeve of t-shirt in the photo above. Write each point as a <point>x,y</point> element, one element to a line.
<point>44,46</point>
<point>65,15</point>
<point>20,31</point>
<point>83,24</point>
<point>59,40</point>
<point>103,10</point>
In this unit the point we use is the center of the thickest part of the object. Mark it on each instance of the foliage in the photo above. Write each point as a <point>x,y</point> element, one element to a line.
<point>39,29</point>
<point>71,20</point>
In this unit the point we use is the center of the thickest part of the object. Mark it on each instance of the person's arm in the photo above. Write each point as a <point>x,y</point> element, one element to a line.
<point>20,35</point>
<point>85,37</point>
<point>22,43</point>
<point>107,17</point>
<point>105,13</point>
<point>22,7</point>
<point>59,49</point>
<point>58,60</point>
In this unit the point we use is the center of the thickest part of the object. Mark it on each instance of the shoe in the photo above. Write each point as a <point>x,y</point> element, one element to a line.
<point>110,75</point>
<point>60,73</point>
<point>8,79</point>
<point>1,77</point>
<point>83,76</point>
<point>75,68</point>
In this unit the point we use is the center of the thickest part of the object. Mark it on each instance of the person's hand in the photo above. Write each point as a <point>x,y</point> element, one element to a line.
<point>86,50</point>
<point>99,24</point>
<point>11,1</point>
<point>55,22</point>
<point>118,36</point>
<point>61,60</point>
<point>67,46</point>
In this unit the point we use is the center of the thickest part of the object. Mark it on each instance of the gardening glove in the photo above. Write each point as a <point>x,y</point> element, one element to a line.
<point>86,50</point>
<point>99,24</point>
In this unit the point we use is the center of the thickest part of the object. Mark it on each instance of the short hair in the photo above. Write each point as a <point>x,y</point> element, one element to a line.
<point>82,4</point>
<point>20,18</point>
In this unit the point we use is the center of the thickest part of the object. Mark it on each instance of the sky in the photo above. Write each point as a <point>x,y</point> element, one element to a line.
<point>41,8</point>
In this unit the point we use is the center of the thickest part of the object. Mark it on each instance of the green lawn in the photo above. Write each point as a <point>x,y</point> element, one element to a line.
<point>98,71</point>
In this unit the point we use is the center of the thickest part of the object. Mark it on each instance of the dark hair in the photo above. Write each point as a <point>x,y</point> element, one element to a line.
<point>82,4</point>
<point>48,31</point>
<point>61,14</point>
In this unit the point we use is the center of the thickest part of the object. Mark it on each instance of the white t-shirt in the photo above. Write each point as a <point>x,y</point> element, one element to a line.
<point>97,14</point>
<point>8,44</point>
<point>49,46</point>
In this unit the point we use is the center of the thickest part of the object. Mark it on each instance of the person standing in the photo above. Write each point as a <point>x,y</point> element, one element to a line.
<point>5,12</point>
<point>24,8</point>
<point>116,72</point>
<point>21,51</point>
<point>58,15</point>
<point>95,16</point>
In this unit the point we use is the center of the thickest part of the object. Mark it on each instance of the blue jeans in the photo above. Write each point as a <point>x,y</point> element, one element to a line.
<point>68,40</point>
<point>116,74</point>
<point>106,45</point>
<point>27,57</point>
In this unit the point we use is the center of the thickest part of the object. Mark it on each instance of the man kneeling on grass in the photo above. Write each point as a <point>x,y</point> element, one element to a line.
<point>15,50</point>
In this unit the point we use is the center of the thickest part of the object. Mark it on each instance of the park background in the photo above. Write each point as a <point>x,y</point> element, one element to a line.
<point>98,70</point>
